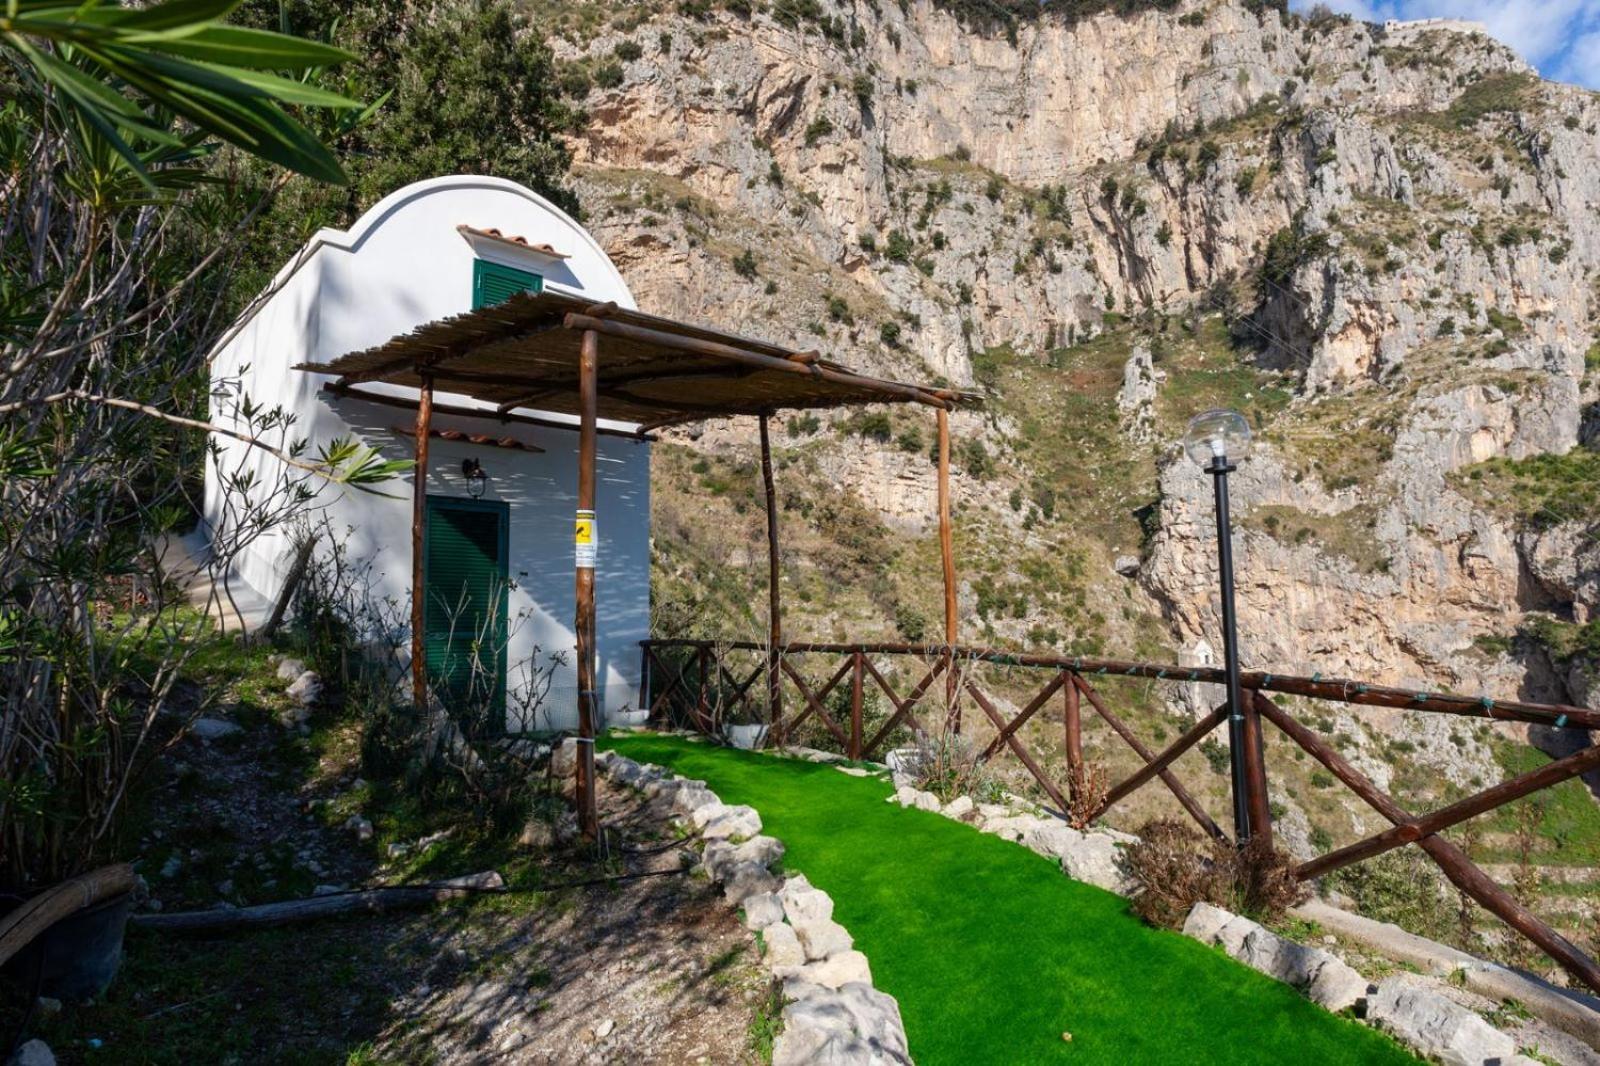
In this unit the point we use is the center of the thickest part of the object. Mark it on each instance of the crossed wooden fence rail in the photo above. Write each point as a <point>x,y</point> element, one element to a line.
<point>691,682</point>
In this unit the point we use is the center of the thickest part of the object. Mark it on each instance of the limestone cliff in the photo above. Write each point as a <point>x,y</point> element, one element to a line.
<point>1379,242</point>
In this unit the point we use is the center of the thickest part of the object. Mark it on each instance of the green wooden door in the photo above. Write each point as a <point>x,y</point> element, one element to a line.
<point>493,283</point>
<point>464,618</point>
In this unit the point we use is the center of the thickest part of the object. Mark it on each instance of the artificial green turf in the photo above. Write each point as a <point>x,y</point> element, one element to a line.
<point>992,953</point>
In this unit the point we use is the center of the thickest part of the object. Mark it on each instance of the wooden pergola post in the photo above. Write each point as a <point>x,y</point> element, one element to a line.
<point>585,548</point>
<point>947,554</point>
<point>774,594</point>
<point>419,519</point>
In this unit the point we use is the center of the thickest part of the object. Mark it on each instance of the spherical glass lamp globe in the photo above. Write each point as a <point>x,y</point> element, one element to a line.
<point>1217,434</point>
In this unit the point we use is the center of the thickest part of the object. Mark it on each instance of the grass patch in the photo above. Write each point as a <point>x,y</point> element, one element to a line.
<point>1540,491</point>
<point>1349,533</point>
<point>1568,824</point>
<point>992,953</point>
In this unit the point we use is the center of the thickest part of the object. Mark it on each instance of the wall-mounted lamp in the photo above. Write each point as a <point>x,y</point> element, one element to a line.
<point>477,480</point>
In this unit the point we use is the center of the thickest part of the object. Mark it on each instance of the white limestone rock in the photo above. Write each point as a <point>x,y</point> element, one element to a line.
<point>1435,1027</point>
<point>802,903</point>
<point>701,816</point>
<point>33,1053</point>
<point>747,879</point>
<point>213,728</point>
<point>762,910</point>
<point>782,950</point>
<point>960,809</point>
<point>908,796</point>
<point>738,822</point>
<point>822,937</point>
<point>692,796</point>
<point>1052,839</point>
<point>1097,860</point>
<point>853,1024</point>
<point>838,969</point>
<point>306,689</point>
<point>1324,978</point>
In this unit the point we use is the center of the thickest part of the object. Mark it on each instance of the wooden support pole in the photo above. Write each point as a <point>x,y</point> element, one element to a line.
<point>1072,725</point>
<point>702,703</point>
<point>774,594</point>
<point>857,662</point>
<point>1255,771</point>
<point>947,557</point>
<point>890,390</point>
<point>419,559</point>
<point>588,407</point>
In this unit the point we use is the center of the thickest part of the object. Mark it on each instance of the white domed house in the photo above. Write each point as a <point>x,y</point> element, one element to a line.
<point>498,547</point>
<point>468,325</point>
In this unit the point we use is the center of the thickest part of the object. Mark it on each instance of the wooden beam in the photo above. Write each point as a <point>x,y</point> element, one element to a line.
<point>419,517</point>
<point>774,592</point>
<point>1427,825</point>
<point>583,628</point>
<point>947,558</point>
<point>33,916</point>
<point>623,381</point>
<point>716,350</point>
<point>1555,715</point>
<point>1072,730</point>
<point>1159,763</point>
<point>1022,717</point>
<point>1017,747</point>
<point>1189,803</point>
<point>1451,860</point>
<point>454,411</point>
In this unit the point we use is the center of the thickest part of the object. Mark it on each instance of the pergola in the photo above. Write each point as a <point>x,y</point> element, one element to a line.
<point>558,353</point>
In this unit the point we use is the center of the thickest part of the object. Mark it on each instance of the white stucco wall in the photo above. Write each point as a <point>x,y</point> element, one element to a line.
<point>403,263</point>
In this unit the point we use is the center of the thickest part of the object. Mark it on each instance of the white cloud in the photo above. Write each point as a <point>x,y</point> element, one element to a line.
<point>1581,63</point>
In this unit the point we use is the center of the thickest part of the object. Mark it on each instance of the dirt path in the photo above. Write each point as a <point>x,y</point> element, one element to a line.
<point>578,967</point>
<point>650,969</point>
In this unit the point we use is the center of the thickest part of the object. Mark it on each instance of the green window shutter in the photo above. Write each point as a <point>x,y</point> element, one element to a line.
<point>464,612</point>
<point>493,283</point>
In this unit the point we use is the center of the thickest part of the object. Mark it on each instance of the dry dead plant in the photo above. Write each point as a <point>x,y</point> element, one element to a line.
<point>1175,867</point>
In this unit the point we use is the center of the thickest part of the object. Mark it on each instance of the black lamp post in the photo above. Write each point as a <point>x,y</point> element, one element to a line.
<point>1218,440</point>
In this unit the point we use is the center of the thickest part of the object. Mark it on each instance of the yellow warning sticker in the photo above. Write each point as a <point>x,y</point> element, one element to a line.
<point>583,536</point>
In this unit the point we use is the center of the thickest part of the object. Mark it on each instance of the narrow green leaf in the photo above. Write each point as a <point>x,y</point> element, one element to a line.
<point>242,47</point>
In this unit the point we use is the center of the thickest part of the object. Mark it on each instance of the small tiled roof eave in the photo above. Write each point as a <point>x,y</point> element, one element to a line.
<point>521,244</point>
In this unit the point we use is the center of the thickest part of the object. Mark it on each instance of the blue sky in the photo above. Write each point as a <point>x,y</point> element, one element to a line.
<point>1560,37</point>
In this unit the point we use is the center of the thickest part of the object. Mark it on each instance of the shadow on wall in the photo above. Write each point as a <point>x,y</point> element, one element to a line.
<point>540,490</point>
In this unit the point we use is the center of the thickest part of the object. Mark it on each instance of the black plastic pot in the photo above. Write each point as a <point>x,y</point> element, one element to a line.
<point>76,959</point>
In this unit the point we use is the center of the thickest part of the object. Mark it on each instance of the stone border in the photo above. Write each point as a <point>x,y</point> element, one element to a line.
<point>1403,1006</point>
<point>1091,856</point>
<point>831,1011</point>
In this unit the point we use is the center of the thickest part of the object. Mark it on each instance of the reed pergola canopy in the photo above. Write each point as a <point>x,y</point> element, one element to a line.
<point>655,371</point>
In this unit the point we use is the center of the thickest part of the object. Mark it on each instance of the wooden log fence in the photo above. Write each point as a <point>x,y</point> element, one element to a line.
<point>694,684</point>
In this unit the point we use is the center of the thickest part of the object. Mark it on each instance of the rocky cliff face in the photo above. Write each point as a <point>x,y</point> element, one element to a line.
<point>1380,244</point>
